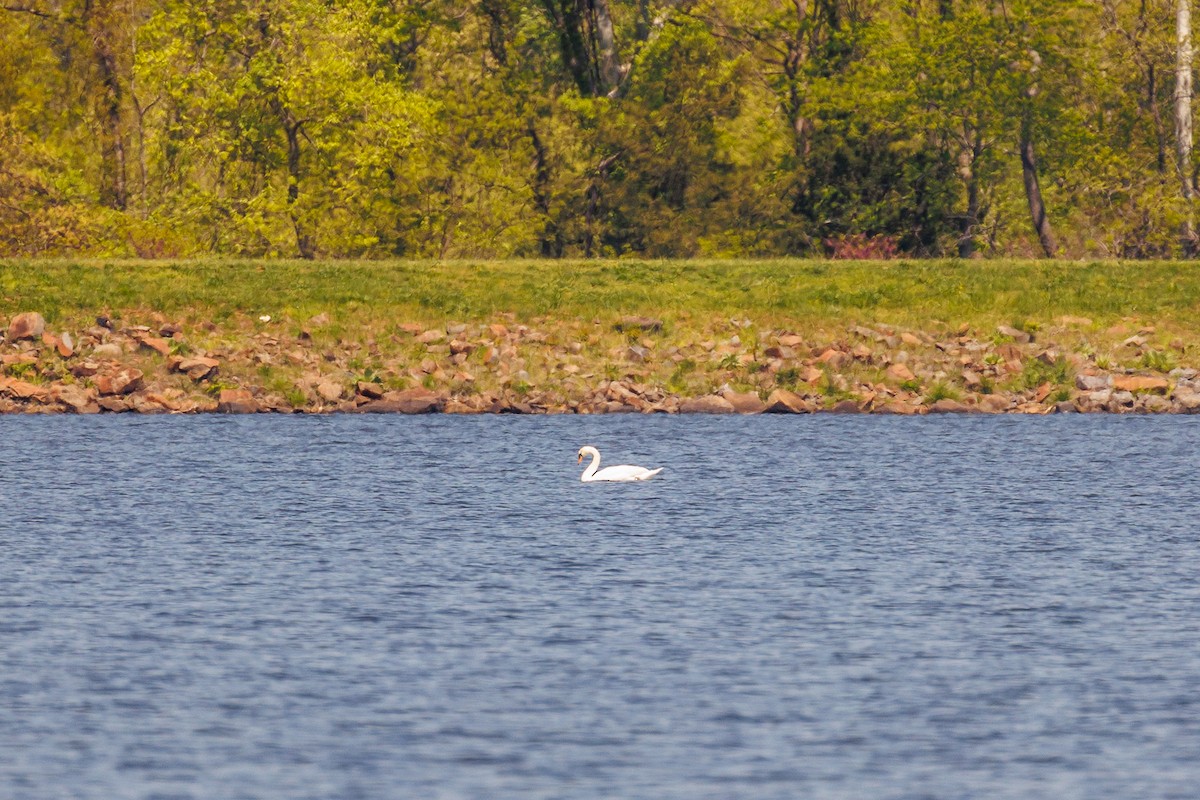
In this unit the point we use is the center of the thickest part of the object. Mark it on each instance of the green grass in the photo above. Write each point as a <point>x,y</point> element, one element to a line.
<point>919,294</point>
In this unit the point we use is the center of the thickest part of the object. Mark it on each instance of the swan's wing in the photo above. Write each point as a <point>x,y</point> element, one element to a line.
<point>625,472</point>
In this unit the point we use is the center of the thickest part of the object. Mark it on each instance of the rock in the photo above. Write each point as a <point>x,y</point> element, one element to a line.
<point>948,406</point>
<point>369,389</point>
<point>782,401</point>
<point>431,336</point>
<point>23,390</point>
<point>898,407</point>
<point>108,350</point>
<point>123,381</point>
<point>329,391</point>
<point>636,353</point>
<point>900,373</point>
<point>27,325</point>
<point>1140,383</point>
<point>910,339</point>
<point>994,403</point>
<point>407,401</point>
<point>85,369</point>
<point>115,405</point>
<point>835,358</point>
<point>65,346</point>
<point>1092,383</point>
<point>236,401</point>
<point>971,380</point>
<point>791,340</point>
<point>1187,400</point>
<point>80,399</point>
<point>160,346</point>
<point>1155,404</point>
<point>1065,407</point>
<point>198,367</point>
<point>745,402</point>
<point>648,324</point>
<point>708,404</point>
<point>1015,334</point>
<point>170,330</point>
<point>845,407</point>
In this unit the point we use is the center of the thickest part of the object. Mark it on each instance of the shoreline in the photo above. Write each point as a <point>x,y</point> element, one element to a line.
<point>632,365</point>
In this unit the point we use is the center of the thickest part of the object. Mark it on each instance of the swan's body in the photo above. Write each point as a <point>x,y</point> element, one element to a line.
<point>622,473</point>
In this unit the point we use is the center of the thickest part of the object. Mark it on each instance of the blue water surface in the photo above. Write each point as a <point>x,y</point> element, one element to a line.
<point>281,608</point>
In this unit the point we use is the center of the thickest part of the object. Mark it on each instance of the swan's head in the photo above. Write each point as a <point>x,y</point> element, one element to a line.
<point>587,450</point>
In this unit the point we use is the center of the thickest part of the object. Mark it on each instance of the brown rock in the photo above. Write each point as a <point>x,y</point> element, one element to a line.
<point>23,390</point>
<point>948,406</point>
<point>158,345</point>
<point>845,407</point>
<point>80,399</point>
<point>124,381</point>
<point>900,373</point>
<point>835,358</point>
<point>85,369</point>
<point>198,367</point>
<point>648,324</point>
<point>329,391</point>
<point>236,401</point>
<point>115,405</point>
<point>1140,383</point>
<point>27,325</point>
<point>745,402</point>
<point>431,336</point>
<point>1015,334</point>
<point>65,346</point>
<point>1187,400</point>
<point>971,379</point>
<point>910,339</point>
<point>407,401</point>
<point>782,401</point>
<point>994,403</point>
<point>791,340</point>
<point>369,389</point>
<point>898,407</point>
<point>708,404</point>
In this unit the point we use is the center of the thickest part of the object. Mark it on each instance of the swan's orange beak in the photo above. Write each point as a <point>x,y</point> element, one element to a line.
<point>580,461</point>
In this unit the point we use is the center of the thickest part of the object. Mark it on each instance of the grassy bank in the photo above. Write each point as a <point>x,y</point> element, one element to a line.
<point>774,292</point>
<point>548,335</point>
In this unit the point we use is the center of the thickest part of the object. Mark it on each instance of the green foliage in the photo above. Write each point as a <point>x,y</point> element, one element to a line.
<point>941,391</point>
<point>1158,360</point>
<point>1036,372</point>
<point>713,128</point>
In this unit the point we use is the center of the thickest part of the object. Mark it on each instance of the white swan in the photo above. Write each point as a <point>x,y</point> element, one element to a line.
<point>624,472</point>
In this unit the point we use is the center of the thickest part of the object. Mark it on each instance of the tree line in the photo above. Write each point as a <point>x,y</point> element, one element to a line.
<point>587,128</point>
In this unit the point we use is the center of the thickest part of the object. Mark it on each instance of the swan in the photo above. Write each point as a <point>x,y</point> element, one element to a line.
<point>623,473</point>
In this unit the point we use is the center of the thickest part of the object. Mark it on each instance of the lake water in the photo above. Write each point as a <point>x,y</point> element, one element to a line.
<point>809,607</point>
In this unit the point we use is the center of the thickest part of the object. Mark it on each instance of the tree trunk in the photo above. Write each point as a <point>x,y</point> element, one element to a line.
<point>304,242</point>
<point>98,25</point>
<point>1183,120</point>
<point>610,70</point>
<point>568,20</point>
<point>550,243</point>
<point>970,221</point>
<point>1033,194</point>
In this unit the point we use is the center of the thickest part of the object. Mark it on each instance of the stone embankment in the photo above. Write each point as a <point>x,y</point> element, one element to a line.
<point>633,365</point>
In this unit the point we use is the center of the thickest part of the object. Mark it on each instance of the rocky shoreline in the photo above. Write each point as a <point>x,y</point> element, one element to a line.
<point>630,365</point>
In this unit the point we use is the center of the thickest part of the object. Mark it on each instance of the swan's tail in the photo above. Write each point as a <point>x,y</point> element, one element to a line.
<point>650,473</point>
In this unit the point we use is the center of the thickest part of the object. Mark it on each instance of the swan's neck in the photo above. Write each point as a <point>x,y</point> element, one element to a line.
<point>592,466</point>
